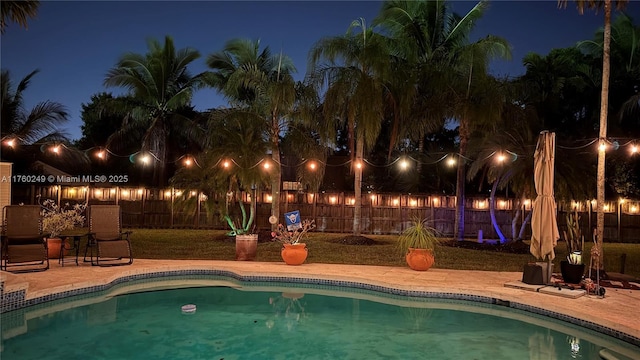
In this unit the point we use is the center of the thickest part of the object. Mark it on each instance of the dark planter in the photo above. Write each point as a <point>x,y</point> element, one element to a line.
<point>571,273</point>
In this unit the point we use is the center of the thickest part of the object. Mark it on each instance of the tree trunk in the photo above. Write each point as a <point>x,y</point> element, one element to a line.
<point>276,177</point>
<point>604,104</point>
<point>420,152</point>
<point>460,181</point>
<point>524,225</point>
<point>492,212</point>
<point>357,186</point>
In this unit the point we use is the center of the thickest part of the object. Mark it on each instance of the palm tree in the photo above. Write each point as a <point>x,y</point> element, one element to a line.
<point>259,82</point>
<point>354,68</point>
<point>436,42</point>
<point>40,124</point>
<point>159,86</point>
<point>17,12</point>
<point>604,108</point>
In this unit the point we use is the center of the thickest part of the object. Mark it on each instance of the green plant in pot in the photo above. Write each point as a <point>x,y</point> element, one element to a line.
<point>418,243</point>
<point>572,269</point>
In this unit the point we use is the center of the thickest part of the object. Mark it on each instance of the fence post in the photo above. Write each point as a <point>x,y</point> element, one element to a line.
<point>619,218</point>
<point>171,220</point>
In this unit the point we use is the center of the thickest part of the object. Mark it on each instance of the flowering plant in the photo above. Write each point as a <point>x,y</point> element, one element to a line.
<point>56,219</point>
<point>283,235</point>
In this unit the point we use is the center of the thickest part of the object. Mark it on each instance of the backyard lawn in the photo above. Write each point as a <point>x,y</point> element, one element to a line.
<point>184,244</point>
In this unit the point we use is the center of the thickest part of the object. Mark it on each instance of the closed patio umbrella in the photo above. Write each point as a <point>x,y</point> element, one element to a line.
<point>544,226</point>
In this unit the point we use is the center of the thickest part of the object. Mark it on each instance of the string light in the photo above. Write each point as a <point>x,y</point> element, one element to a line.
<point>404,164</point>
<point>602,146</point>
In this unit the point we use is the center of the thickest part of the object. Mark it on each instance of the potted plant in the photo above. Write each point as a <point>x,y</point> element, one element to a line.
<point>242,227</point>
<point>57,219</point>
<point>572,269</point>
<point>417,243</point>
<point>294,252</point>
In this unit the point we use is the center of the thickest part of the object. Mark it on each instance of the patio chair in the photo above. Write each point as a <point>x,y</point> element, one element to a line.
<point>112,246</point>
<point>24,247</point>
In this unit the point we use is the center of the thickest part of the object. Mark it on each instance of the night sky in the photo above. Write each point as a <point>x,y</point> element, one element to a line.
<point>75,43</point>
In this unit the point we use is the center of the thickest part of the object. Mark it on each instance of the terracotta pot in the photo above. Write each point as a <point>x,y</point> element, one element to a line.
<point>246,247</point>
<point>53,247</point>
<point>294,254</point>
<point>420,259</point>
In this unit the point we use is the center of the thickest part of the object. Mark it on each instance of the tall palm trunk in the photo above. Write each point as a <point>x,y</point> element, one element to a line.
<point>357,184</point>
<point>460,181</point>
<point>276,177</point>
<point>420,152</point>
<point>604,104</point>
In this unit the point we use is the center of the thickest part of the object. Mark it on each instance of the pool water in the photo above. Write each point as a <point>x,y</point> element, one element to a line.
<point>232,323</point>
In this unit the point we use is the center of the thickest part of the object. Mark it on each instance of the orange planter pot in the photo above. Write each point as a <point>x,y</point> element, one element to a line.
<point>420,259</point>
<point>53,247</point>
<point>294,254</point>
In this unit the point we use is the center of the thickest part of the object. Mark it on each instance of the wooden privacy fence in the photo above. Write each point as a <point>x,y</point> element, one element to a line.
<point>333,212</point>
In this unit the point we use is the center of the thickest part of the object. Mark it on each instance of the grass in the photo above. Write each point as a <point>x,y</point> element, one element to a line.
<point>182,244</point>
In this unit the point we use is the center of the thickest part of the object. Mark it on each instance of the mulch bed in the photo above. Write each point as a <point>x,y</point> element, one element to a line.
<point>512,247</point>
<point>354,240</point>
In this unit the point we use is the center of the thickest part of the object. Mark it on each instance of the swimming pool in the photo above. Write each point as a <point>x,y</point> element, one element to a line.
<point>234,319</point>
